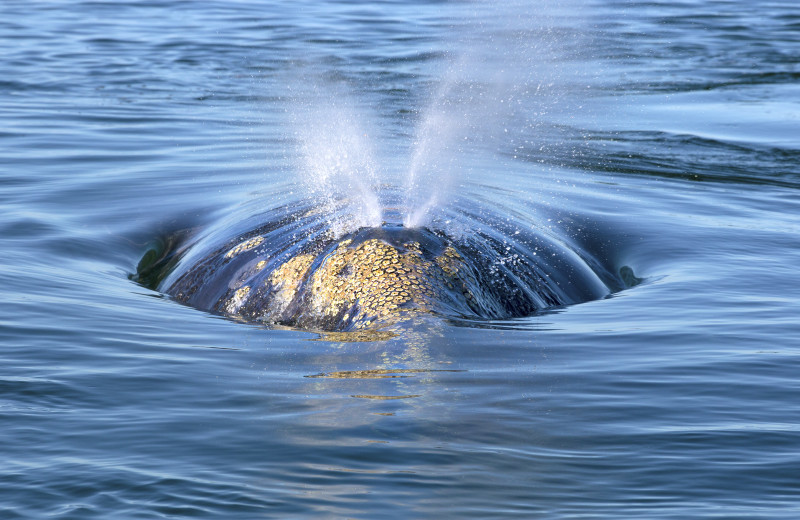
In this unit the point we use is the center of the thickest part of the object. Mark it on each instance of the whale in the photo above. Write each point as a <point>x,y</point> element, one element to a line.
<point>293,272</point>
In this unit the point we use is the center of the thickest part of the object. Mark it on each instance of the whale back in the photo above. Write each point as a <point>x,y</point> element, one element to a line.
<point>294,273</point>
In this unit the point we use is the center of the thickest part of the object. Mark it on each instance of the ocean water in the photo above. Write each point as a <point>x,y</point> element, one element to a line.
<point>663,137</point>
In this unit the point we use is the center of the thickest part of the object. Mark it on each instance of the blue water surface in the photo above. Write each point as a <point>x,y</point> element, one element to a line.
<point>661,136</point>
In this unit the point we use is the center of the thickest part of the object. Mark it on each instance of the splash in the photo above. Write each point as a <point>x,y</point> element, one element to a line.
<point>431,168</point>
<point>510,67</point>
<point>339,166</point>
<point>507,69</point>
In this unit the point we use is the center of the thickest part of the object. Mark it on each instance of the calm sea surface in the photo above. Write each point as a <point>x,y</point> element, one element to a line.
<point>661,136</point>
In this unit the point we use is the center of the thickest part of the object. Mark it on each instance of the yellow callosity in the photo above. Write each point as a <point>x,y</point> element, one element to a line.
<point>244,246</point>
<point>352,286</point>
<point>363,283</point>
<point>286,280</point>
<point>237,300</point>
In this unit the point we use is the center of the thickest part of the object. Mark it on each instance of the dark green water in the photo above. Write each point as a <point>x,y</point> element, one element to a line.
<point>663,137</point>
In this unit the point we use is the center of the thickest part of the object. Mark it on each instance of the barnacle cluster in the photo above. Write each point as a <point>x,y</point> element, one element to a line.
<point>353,285</point>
